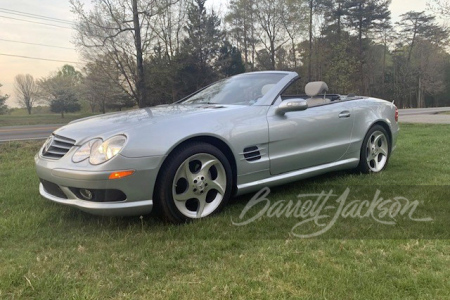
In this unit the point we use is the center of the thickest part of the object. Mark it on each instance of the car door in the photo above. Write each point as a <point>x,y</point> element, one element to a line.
<point>313,137</point>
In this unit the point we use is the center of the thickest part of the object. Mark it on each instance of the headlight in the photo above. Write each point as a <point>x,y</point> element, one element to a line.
<point>98,151</point>
<point>104,151</point>
<point>84,151</point>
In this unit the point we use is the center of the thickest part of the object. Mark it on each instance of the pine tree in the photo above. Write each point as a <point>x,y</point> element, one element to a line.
<point>229,62</point>
<point>364,17</point>
<point>203,42</point>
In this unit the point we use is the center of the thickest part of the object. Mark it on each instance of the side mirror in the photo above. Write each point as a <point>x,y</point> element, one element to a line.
<point>291,105</point>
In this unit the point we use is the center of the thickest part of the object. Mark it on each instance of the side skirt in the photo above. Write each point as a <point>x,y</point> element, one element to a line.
<point>296,175</point>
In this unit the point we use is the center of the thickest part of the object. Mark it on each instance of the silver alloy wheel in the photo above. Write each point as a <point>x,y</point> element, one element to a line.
<point>199,185</point>
<point>377,150</point>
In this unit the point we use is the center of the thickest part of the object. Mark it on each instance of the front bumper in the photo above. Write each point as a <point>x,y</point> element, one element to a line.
<point>101,208</point>
<point>68,176</point>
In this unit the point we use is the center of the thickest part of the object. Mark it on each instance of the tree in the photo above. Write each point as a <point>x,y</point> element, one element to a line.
<point>340,65</point>
<point>61,90</point>
<point>313,7</point>
<point>229,62</point>
<point>416,25</point>
<point>334,12</point>
<point>364,17</point>
<point>241,18</point>
<point>168,26</point>
<point>101,90</point>
<point>3,106</point>
<point>440,7</point>
<point>121,30</point>
<point>419,58</point>
<point>294,23</point>
<point>203,42</point>
<point>26,91</point>
<point>269,16</point>
<point>65,102</point>
<point>442,99</point>
<point>430,71</point>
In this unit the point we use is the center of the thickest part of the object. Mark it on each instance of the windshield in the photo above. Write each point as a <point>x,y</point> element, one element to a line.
<point>243,89</point>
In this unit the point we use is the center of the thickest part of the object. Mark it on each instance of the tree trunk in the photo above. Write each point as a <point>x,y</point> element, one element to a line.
<point>339,22</point>
<point>294,54</point>
<point>412,42</point>
<point>383,79</point>
<point>62,114</point>
<point>253,40</point>
<point>272,53</point>
<point>310,40</point>
<point>420,95</point>
<point>361,59</point>
<point>104,106</point>
<point>245,40</point>
<point>140,80</point>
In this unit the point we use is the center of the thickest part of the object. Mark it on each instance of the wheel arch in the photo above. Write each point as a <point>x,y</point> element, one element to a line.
<point>362,162</point>
<point>214,141</point>
<point>386,127</point>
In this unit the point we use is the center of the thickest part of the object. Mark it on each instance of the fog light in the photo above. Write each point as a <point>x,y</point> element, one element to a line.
<point>86,194</point>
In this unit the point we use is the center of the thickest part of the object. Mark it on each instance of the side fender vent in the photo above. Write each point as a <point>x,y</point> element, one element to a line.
<point>252,153</point>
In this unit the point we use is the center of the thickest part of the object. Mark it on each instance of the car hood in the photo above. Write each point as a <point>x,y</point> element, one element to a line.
<point>106,125</point>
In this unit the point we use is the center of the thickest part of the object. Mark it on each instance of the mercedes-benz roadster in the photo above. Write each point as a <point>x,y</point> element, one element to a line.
<point>238,135</point>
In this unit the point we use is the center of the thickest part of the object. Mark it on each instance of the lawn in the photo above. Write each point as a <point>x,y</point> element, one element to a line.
<point>48,251</point>
<point>38,119</point>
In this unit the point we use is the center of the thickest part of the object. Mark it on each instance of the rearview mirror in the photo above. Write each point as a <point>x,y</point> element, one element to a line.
<point>291,105</point>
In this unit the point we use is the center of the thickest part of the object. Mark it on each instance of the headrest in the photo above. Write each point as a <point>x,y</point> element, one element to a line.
<point>315,88</point>
<point>266,88</point>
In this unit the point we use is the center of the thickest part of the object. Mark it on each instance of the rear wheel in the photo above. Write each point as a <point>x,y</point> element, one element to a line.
<point>375,150</point>
<point>195,182</point>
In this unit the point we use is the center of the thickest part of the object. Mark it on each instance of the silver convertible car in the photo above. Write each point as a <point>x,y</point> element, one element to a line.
<point>185,160</point>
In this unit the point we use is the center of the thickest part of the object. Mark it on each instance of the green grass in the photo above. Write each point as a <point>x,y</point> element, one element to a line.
<point>48,251</point>
<point>37,110</point>
<point>38,119</point>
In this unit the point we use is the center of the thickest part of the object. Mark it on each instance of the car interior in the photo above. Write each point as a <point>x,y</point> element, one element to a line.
<point>315,93</point>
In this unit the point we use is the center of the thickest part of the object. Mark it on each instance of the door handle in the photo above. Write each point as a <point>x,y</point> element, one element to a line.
<point>344,114</point>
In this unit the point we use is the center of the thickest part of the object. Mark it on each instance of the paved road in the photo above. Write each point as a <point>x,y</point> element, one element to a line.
<point>21,133</point>
<point>425,115</point>
<point>41,132</point>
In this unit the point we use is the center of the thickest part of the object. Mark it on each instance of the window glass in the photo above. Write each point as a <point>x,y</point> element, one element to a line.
<point>244,89</point>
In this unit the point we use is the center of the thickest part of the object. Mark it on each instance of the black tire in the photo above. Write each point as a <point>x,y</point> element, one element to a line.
<point>375,150</point>
<point>186,172</point>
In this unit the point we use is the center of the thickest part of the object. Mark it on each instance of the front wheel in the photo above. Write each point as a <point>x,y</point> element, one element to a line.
<point>375,150</point>
<point>195,182</point>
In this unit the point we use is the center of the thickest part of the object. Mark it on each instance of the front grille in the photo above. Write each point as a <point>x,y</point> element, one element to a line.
<point>57,147</point>
<point>53,189</point>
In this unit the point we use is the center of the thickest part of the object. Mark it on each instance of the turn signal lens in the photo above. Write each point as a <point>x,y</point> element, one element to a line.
<point>396,114</point>
<point>120,174</point>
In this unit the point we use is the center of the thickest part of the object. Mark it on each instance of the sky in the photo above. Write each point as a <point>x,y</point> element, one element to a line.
<point>15,31</point>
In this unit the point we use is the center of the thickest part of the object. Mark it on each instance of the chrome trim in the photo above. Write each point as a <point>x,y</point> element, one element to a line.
<point>57,147</point>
